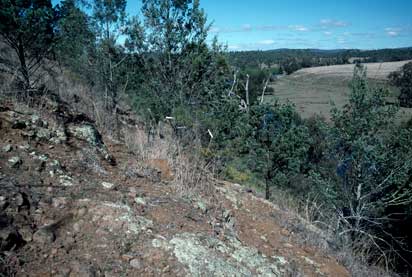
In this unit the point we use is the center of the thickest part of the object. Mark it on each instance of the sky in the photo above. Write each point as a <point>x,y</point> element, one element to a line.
<point>321,24</point>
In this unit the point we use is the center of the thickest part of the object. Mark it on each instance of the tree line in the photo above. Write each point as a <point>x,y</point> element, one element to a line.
<point>291,60</point>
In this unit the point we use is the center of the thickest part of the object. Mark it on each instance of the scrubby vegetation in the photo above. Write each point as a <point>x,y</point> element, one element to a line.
<point>357,168</point>
<point>403,80</point>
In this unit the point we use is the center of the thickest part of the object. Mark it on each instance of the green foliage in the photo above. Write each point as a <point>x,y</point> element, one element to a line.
<point>109,18</point>
<point>75,39</point>
<point>403,80</point>
<point>181,71</point>
<point>28,28</point>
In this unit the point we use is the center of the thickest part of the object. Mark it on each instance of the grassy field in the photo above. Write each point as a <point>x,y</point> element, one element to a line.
<point>314,89</point>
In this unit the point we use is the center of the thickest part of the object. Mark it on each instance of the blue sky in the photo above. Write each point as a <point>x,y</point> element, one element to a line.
<point>324,24</point>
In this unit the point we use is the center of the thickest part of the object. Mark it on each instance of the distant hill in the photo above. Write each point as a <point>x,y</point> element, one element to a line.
<point>303,58</point>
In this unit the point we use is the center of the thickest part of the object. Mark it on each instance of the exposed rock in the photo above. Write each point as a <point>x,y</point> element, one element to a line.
<point>35,119</point>
<point>66,181</point>
<point>15,162</point>
<point>89,133</point>
<point>59,136</point>
<point>77,226</point>
<point>55,167</point>
<point>26,234</point>
<point>59,202</point>
<point>136,263</point>
<point>7,148</point>
<point>30,134</point>
<point>20,199</point>
<point>108,185</point>
<point>204,255</point>
<point>44,235</point>
<point>201,206</point>
<point>117,218</point>
<point>140,201</point>
<point>43,134</point>
<point>78,269</point>
<point>25,147</point>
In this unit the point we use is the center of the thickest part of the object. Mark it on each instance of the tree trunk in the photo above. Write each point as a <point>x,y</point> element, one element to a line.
<point>23,66</point>
<point>267,191</point>
<point>247,90</point>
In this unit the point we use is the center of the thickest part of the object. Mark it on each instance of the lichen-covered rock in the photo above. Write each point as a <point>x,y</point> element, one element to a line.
<point>86,132</point>
<point>118,218</point>
<point>44,236</point>
<point>89,133</point>
<point>7,148</point>
<point>15,162</point>
<point>59,136</point>
<point>208,256</point>
<point>43,134</point>
<point>108,185</point>
<point>66,181</point>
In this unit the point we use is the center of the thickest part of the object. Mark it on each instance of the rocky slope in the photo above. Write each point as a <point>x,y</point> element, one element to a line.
<point>74,203</point>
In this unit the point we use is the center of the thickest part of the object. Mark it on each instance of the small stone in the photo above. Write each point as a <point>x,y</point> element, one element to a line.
<point>26,234</point>
<point>135,263</point>
<point>76,227</point>
<point>201,206</point>
<point>107,185</point>
<point>59,202</point>
<point>15,162</point>
<point>28,134</point>
<point>43,134</point>
<point>227,214</point>
<point>43,158</point>
<point>140,201</point>
<point>66,181</point>
<point>7,148</point>
<point>35,119</point>
<point>19,200</point>
<point>25,147</point>
<point>43,236</point>
<point>82,211</point>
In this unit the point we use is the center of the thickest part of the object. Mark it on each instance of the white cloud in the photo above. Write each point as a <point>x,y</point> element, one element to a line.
<point>392,32</point>
<point>327,23</point>
<point>327,33</point>
<point>267,42</point>
<point>299,28</point>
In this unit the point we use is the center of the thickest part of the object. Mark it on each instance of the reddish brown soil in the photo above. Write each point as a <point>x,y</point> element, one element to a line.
<point>90,241</point>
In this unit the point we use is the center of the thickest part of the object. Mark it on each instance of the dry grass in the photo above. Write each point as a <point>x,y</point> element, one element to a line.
<point>313,90</point>
<point>190,174</point>
<point>378,71</point>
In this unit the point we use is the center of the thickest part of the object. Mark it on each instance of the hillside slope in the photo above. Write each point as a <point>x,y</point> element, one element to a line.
<point>313,89</point>
<point>74,203</point>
